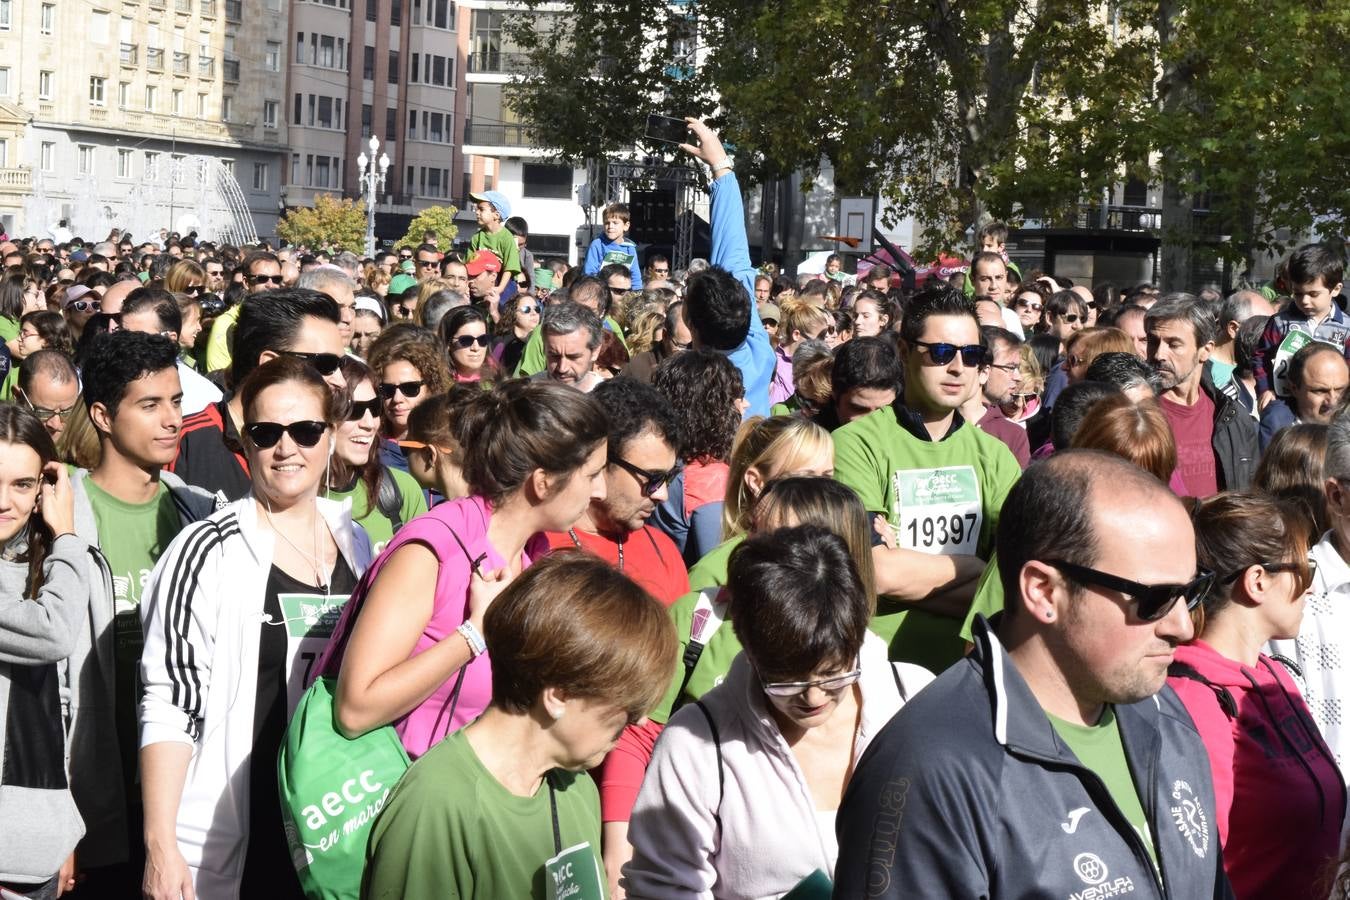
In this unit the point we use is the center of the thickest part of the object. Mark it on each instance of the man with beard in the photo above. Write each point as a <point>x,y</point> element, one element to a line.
<point>1216,440</point>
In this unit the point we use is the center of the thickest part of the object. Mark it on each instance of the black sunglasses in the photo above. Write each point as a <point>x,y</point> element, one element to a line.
<point>262,279</point>
<point>1152,601</point>
<point>650,481</point>
<point>409,389</point>
<point>1310,566</point>
<point>943,353</point>
<point>193,290</point>
<point>824,332</point>
<point>465,341</point>
<point>325,363</point>
<point>266,434</point>
<point>358,409</point>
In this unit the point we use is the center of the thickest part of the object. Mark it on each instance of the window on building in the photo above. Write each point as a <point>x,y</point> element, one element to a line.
<point>123,94</point>
<point>84,159</point>
<point>327,51</point>
<point>6,14</point>
<point>372,10</point>
<point>366,120</point>
<point>309,120</point>
<point>97,87</point>
<point>151,95</point>
<point>176,103</point>
<point>441,14</point>
<point>45,85</point>
<point>261,176</point>
<point>325,112</point>
<point>47,21</point>
<point>438,70</point>
<point>151,165</point>
<point>390,124</point>
<point>4,81</point>
<point>123,163</point>
<point>297,108</point>
<point>410,181</point>
<point>269,114</point>
<point>227,109</point>
<point>98,26</point>
<point>412,124</point>
<point>395,12</point>
<point>393,67</point>
<point>202,106</point>
<point>436,133</point>
<point>368,64</point>
<point>272,56</point>
<point>413,74</point>
<point>321,172</point>
<point>546,182</point>
<point>47,156</point>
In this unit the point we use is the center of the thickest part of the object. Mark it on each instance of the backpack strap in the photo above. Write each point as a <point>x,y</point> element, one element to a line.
<point>389,499</point>
<point>721,768</point>
<point>708,616</point>
<point>1221,693</point>
<point>899,686</point>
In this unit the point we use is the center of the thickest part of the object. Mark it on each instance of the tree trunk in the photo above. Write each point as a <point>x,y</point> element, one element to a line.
<point>1177,222</point>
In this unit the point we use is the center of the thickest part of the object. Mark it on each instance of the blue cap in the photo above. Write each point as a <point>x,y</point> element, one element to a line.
<point>498,201</point>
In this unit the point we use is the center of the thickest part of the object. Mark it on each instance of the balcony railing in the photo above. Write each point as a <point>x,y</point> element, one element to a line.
<point>208,8</point>
<point>182,63</point>
<point>234,10</point>
<point>130,54</point>
<point>16,179</point>
<point>231,70</point>
<point>496,134</point>
<point>206,67</point>
<point>499,62</point>
<point>154,59</point>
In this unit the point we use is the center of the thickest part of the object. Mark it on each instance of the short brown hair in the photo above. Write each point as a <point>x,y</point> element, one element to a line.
<point>616,210</point>
<point>1091,343</point>
<point>1137,432</point>
<point>288,370</point>
<point>575,623</point>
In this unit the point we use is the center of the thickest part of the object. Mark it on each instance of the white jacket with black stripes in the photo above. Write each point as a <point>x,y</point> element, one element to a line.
<point>201,611</point>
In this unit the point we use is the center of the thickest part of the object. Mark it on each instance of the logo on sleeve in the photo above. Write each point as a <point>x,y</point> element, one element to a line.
<point>1090,868</point>
<point>1190,818</point>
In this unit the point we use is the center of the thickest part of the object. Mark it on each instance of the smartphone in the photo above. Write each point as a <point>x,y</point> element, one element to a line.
<point>668,130</point>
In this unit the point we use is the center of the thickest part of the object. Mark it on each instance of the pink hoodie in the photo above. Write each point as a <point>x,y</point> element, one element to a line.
<point>1278,794</point>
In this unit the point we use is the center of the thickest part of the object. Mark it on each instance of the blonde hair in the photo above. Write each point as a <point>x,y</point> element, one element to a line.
<point>772,447</point>
<point>798,316</point>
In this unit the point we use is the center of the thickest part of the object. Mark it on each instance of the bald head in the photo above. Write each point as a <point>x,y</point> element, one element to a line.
<point>116,294</point>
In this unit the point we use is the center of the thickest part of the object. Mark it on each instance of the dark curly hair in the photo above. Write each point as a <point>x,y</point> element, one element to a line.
<point>635,408</point>
<point>703,386</point>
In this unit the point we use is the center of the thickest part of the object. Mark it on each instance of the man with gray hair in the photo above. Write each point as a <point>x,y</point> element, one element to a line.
<point>1216,440</point>
<point>1238,308</point>
<point>438,304</point>
<point>348,262</point>
<point>571,339</point>
<point>1127,372</point>
<point>333,281</point>
<point>1322,649</point>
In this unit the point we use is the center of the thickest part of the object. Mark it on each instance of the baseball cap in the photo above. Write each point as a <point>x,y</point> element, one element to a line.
<point>79,256</point>
<point>769,311</point>
<point>498,201</point>
<point>400,283</point>
<point>483,261</point>
<point>543,278</point>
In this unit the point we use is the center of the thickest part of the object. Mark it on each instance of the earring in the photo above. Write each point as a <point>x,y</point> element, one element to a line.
<point>1049,615</point>
<point>556,714</point>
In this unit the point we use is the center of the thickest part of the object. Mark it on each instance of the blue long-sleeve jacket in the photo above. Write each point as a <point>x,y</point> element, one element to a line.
<point>731,251</point>
<point>601,247</point>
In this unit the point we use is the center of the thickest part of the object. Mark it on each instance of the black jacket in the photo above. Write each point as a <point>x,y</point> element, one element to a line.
<point>1236,446</point>
<point>969,792</point>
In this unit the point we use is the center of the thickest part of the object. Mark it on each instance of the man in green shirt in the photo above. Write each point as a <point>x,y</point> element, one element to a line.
<point>937,480</point>
<point>129,510</point>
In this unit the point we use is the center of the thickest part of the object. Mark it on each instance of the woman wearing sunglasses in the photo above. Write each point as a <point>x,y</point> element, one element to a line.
<point>1028,304</point>
<point>228,615</point>
<point>1279,797</point>
<point>464,331</point>
<point>741,795</point>
<point>382,499</point>
<point>186,276</point>
<point>409,367</point>
<point>519,319</point>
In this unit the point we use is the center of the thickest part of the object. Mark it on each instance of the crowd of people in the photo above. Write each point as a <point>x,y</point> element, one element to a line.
<point>619,580</point>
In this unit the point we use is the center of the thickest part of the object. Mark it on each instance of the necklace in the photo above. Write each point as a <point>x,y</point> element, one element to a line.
<point>314,559</point>
<point>571,532</point>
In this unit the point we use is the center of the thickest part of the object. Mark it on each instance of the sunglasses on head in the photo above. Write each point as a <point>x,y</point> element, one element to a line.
<point>409,389</point>
<point>358,409</point>
<point>1151,601</point>
<point>465,341</point>
<point>325,363</point>
<point>264,279</point>
<point>85,305</point>
<point>305,433</point>
<point>942,353</point>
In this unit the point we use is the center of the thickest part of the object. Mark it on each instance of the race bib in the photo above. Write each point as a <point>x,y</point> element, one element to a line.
<point>1293,342</point>
<point>937,510</point>
<point>574,874</point>
<point>310,619</point>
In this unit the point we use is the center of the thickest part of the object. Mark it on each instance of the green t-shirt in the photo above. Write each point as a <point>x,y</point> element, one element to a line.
<point>451,830</point>
<point>9,329</point>
<point>711,569</point>
<point>131,537</point>
<point>1221,372</point>
<point>500,242</point>
<point>381,529</point>
<point>938,497</point>
<point>11,381</point>
<point>533,358</point>
<point>988,598</point>
<point>1099,748</point>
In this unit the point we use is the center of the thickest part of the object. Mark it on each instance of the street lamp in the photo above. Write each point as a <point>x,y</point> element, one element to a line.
<point>372,182</point>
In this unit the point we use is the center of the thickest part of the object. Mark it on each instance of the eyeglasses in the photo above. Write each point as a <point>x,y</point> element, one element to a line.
<point>825,332</point>
<point>1309,566</point>
<point>1008,367</point>
<point>943,353</point>
<point>85,305</point>
<point>25,335</point>
<point>44,413</point>
<point>326,363</point>
<point>264,279</point>
<point>465,341</point>
<point>797,688</point>
<point>660,271</point>
<point>409,389</point>
<point>526,310</point>
<point>1152,601</point>
<point>650,482</point>
<point>358,409</point>
<point>305,433</point>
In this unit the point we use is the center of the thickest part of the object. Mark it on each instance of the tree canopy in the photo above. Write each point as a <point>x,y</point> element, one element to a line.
<point>331,223</point>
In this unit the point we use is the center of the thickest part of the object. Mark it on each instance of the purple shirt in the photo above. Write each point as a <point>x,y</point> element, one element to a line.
<point>781,387</point>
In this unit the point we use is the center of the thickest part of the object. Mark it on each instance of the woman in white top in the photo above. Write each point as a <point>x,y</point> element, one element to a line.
<point>740,797</point>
